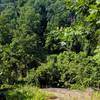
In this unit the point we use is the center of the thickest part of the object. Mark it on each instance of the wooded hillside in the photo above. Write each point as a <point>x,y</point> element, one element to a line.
<point>54,43</point>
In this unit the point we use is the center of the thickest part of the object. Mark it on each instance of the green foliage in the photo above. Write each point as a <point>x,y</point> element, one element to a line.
<point>17,56</point>
<point>66,32</point>
<point>6,25</point>
<point>27,93</point>
<point>67,39</point>
<point>97,56</point>
<point>29,20</point>
<point>66,70</point>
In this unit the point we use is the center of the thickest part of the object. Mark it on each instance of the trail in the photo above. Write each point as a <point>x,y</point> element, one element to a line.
<point>65,94</point>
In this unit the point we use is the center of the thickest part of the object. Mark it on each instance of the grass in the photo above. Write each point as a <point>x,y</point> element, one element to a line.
<point>27,93</point>
<point>95,96</point>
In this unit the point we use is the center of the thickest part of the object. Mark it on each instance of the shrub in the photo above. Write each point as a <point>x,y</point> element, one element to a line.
<point>67,69</point>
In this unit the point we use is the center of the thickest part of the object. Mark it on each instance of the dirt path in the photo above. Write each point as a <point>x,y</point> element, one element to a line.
<point>64,94</point>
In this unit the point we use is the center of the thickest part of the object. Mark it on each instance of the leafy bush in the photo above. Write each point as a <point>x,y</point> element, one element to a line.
<point>67,69</point>
<point>67,39</point>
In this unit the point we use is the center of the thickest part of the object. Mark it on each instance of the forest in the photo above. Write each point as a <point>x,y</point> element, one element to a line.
<point>49,43</point>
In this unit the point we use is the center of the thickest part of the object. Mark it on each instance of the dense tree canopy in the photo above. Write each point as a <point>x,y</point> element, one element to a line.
<point>48,37</point>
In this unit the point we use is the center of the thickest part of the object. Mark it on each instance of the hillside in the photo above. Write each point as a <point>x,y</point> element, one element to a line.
<point>50,43</point>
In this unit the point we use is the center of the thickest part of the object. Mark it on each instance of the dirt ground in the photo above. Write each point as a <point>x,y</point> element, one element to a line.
<point>65,94</point>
